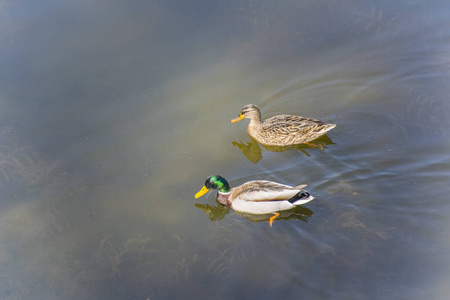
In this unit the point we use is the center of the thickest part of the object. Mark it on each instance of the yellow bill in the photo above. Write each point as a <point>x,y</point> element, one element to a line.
<point>237,119</point>
<point>203,191</point>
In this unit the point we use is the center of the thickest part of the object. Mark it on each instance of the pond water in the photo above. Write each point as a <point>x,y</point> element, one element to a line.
<point>113,113</point>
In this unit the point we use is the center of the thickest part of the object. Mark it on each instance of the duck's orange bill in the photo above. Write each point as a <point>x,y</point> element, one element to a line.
<point>237,119</point>
<point>273,218</point>
<point>203,191</point>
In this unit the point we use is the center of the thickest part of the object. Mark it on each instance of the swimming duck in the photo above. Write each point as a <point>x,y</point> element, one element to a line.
<point>282,130</point>
<point>256,197</point>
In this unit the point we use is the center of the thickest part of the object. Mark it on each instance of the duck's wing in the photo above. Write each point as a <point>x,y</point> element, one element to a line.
<point>300,186</point>
<point>288,124</point>
<point>262,190</point>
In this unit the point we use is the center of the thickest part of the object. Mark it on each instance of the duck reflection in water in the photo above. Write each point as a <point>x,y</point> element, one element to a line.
<point>253,151</point>
<point>217,212</point>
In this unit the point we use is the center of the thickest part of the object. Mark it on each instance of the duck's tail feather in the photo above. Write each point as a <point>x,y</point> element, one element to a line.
<point>302,195</point>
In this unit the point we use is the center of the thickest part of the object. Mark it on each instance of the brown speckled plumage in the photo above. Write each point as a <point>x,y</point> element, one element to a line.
<point>283,130</point>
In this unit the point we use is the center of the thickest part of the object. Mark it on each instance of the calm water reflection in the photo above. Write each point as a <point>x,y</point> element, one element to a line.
<point>113,113</point>
<point>252,149</point>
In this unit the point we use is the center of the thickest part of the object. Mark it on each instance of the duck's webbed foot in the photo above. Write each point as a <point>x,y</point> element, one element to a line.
<point>273,218</point>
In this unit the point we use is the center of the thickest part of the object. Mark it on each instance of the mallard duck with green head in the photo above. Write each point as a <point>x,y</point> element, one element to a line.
<point>257,196</point>
<point>282,130</point>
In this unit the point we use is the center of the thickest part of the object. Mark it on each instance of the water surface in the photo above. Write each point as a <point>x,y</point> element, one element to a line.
<point>113,113</point>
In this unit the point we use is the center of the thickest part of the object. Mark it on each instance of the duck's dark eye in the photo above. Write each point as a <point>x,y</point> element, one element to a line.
<point>210,185</point>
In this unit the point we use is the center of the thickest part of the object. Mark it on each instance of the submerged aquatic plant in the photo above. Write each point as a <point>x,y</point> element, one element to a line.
<point>16,160</point>
<point>348,225</point>
<point>51,192</point>
<point>160,262</point>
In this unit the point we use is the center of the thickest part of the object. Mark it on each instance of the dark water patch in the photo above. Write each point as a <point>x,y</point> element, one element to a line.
<point>118,111</point>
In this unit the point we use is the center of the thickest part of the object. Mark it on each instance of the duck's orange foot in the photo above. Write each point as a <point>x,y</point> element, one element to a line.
<point>273,218</point>
<point>321,147</point>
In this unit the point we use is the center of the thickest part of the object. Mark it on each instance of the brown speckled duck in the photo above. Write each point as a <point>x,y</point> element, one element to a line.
<point>282,130</point>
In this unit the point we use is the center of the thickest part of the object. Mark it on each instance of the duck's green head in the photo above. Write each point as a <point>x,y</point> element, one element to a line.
<point>214,182</point>
<point>250,111</point>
